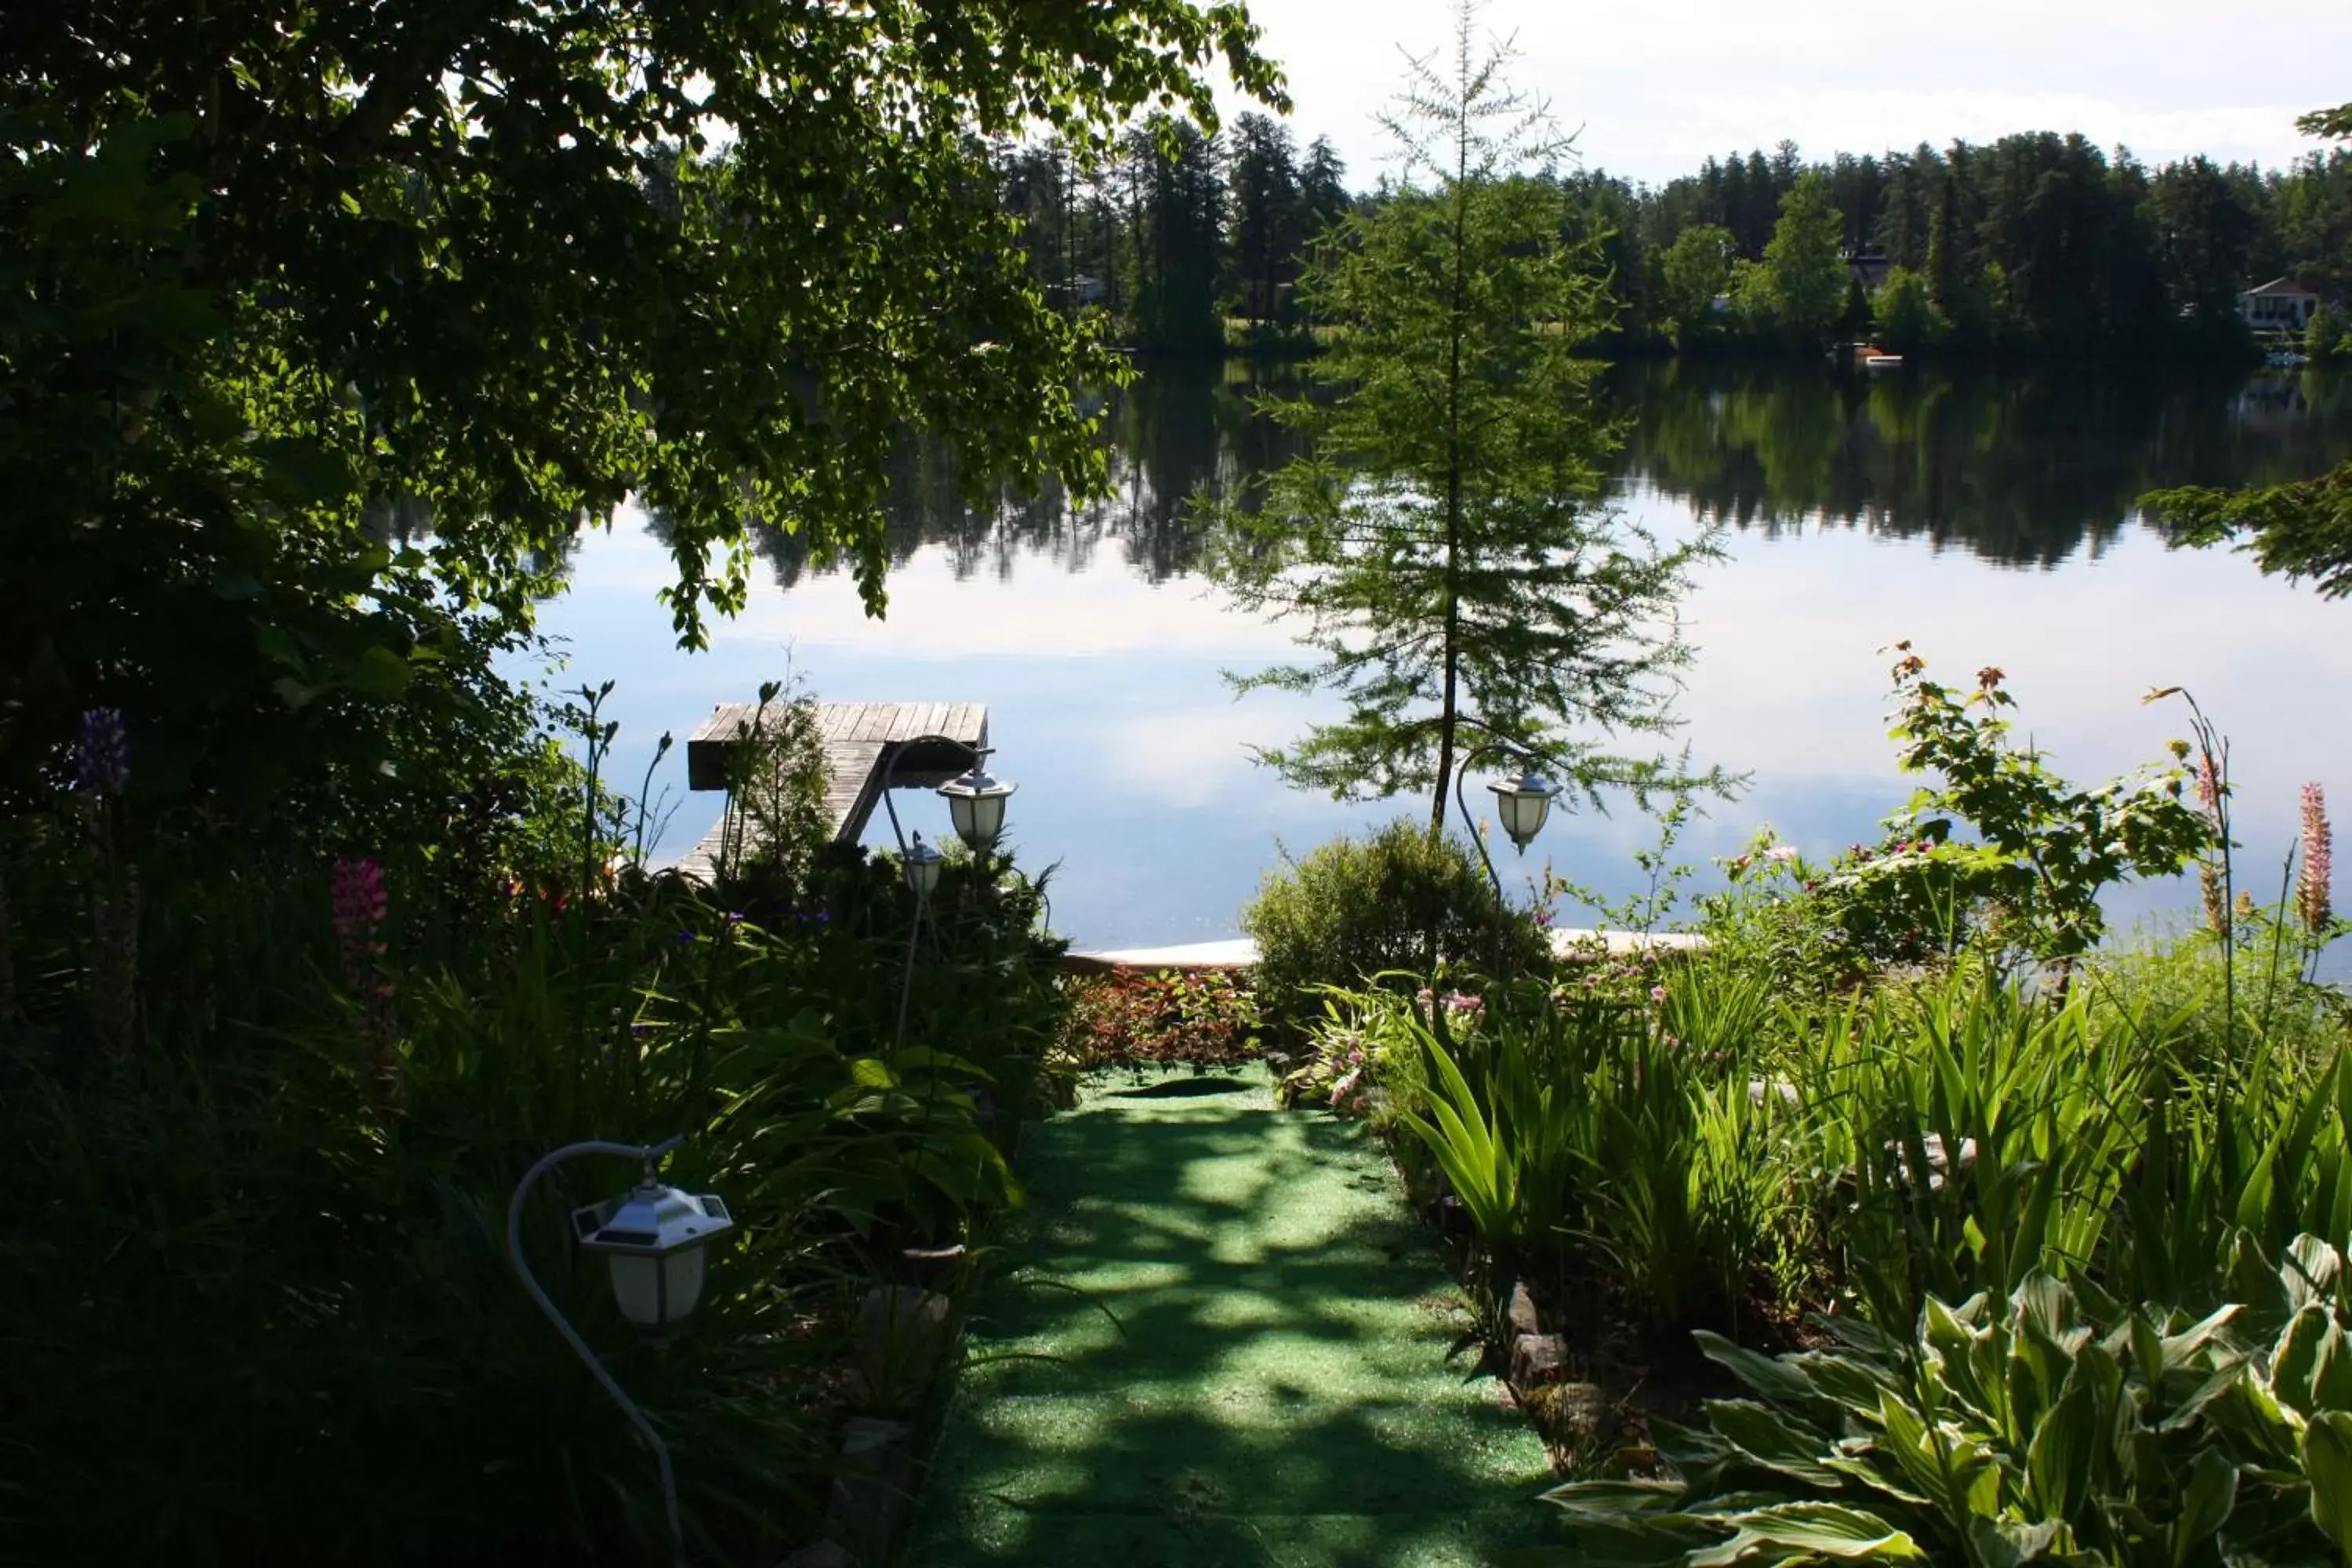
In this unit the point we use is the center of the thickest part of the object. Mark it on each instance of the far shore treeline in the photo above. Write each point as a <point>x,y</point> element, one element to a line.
<point>2035,245</point>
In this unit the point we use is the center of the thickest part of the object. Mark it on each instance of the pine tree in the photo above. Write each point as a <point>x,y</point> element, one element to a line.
<point>1267,215</point>
<point>1445,543</point>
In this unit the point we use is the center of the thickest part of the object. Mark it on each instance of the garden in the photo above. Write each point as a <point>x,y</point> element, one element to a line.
<point>1915,1216</point>
<point>268,1118</point>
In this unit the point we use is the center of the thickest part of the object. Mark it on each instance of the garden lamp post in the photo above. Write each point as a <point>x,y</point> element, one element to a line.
<point>976,803</point>
<point>923,864</point>
<point>653,1240</point>
<point>1521,804</point>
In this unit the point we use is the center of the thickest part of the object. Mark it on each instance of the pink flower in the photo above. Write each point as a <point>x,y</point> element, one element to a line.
<point>2208,786</point>
<point>2312,887</point>
<point>1460,1002</point>
<point>1658,993</point>
<point>1344,1087</point>
<point>359,897</point>
<point>1781,854</point>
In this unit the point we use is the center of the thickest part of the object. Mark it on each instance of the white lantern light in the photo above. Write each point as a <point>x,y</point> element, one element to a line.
<point>1522,804</point>
<point>976,802</point>
<point>652,1240</point>
<point>923,867</point>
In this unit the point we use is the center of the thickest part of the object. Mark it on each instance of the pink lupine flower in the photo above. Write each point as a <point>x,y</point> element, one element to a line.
<point>2312,887</point>
<point>357,902</point>
<point>357,898</point>
<point>2209,784</point>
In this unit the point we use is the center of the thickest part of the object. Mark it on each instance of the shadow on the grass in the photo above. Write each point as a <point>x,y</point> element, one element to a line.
<point>1281,1391</point>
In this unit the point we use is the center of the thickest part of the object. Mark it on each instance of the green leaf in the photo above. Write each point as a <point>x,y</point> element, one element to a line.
<point>1814,1529</point>
<point>379,672</point>
<point>2058,1457</point>
<point>871,1072</point>
<point>2327,1462</point>
<point>1763,1435</point>
<point>1779,1380</point>
<point>2011,1545</point>
<point>2206,1503</point>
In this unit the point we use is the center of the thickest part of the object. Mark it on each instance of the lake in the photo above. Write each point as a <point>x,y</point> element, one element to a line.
<point>1987,521</point>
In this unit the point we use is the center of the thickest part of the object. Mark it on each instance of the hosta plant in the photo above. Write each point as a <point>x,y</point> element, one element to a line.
<point>2041,1427</point>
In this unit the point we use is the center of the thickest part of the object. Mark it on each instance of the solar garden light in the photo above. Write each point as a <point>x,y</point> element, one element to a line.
<point>976,803</point>
<point>1522,804</point>
<point>654,1240</point>
<point>923,863</point>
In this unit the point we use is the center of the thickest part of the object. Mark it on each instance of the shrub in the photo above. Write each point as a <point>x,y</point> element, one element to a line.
<point>1397,901</point>
<point>1127,1016</point>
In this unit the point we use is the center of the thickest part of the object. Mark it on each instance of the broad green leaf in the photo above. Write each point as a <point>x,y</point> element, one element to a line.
<point>2294,1358</point>
<point>2310,1271</point>
<point>2011,1545</point>
<point>871,1072</point>
<point>2058,1459</point>
<point>2205,1503</point>
<point>2327,1462</point>
<point>1778,1379</point>
<point>1768,1438</point>
<point>1820,1529</point>
<point>379,672</point>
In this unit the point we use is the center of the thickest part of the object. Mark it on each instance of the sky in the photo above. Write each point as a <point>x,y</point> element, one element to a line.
<point>1656,86</point>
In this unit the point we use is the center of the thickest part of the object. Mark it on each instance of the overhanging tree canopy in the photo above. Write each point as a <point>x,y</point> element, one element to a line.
<point>317,321</point>
<point>491,223</point>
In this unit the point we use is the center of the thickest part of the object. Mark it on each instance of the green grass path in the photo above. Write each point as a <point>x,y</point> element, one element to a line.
<point>1285,1391</point>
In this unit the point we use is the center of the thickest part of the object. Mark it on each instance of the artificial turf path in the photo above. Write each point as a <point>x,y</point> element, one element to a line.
<point>1284,1384</point>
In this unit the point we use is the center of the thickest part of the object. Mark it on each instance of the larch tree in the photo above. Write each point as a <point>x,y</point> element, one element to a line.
<point>1444,547</point>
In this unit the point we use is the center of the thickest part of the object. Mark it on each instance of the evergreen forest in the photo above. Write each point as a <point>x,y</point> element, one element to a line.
<point>2036,244</point>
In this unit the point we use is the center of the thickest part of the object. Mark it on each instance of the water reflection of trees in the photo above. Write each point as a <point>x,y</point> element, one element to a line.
<point>1176,431</point>
<point>2022,471</point>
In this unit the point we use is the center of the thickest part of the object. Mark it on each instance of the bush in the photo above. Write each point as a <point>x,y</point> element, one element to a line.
<point>1130,1018</point>
<point>1396,901</point>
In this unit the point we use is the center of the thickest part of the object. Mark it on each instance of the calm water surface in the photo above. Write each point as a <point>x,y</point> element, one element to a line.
<point>1989,523</point>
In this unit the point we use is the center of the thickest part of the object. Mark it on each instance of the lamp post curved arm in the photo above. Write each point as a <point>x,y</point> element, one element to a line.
<point>1461,770</point>
<point>648,1154</point>
<point>891,774</point>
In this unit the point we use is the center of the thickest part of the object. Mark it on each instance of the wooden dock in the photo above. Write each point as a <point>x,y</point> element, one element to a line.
<point>862,741</point>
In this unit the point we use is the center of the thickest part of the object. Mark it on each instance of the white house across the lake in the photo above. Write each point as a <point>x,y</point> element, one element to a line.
<point>2280,305</point>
